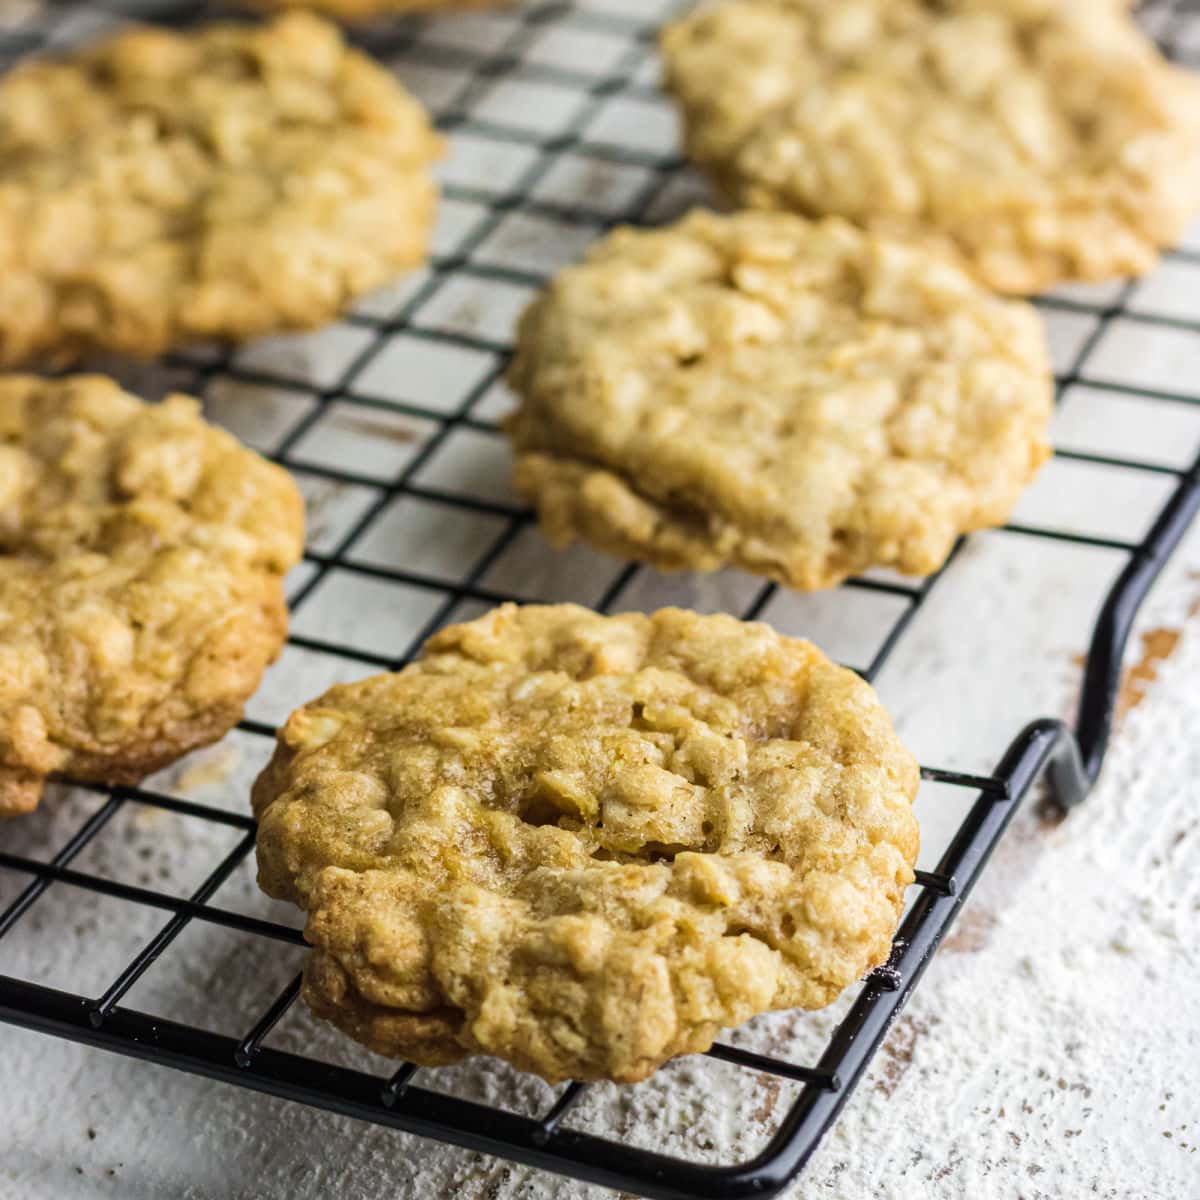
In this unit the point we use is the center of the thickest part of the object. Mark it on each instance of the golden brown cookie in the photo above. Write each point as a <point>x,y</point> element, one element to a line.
<point>585,844</point>
<point>802,400</point>
<point>235,181</point>
<point>361,10</point>
<point>1041,140</point>
<point>142,553</point>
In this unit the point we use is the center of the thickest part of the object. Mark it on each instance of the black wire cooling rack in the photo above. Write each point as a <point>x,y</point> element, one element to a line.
<point>558,103</point>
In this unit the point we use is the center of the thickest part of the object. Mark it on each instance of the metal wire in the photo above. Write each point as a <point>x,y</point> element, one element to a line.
<point>989,800</point>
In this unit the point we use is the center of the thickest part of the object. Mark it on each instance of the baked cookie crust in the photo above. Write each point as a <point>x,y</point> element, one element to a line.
<point>1040,140</point>
<point>364,10</point>
<point>142,553</point>
<point>799,399</point>
<point>585,844</point>
<point>241,180</point>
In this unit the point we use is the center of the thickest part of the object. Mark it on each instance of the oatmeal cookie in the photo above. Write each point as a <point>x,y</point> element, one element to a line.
<point>585,844</point>
<point>231,182</point>
<point>361,10</point>
<point>802,400</point>
<point>141,561</point>
<point>1040,140</point>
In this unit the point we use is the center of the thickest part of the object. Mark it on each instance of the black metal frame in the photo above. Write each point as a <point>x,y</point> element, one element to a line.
<point>1072,758</point>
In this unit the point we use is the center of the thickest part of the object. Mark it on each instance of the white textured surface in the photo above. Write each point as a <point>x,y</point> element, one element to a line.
<point>1053,1048</point>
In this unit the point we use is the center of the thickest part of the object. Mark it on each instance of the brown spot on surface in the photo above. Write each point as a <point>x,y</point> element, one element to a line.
<point>329,490</point>
<point>1157,646</point>
<point>322,494</point>
<point>971,932</point>
<point>945,1170</point>
<point>1050,814</point>
<point>376,428</point>
<point>770,1088</point>
<point>896,1056</point>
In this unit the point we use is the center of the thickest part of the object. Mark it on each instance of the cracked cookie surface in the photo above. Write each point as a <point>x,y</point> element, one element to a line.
<point>142,554</point>
<point>240,180</point>
<point>799,399</point>
<point>1040,140</point>
<point>585,844</point>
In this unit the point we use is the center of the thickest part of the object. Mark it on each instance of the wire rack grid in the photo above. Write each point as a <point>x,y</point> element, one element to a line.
<point>388,419</point>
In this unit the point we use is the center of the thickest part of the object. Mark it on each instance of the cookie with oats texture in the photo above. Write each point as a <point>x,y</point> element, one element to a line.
<point>800,399</point>
<point>586,844</point>
<point>1040,141</point>
<point>238,180</point>
<point>142,555</point>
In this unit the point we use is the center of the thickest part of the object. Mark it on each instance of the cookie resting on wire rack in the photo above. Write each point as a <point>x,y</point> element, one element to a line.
<point>142,554</point>
<point>1040,140</point>
<point>800,399</point>
<point>363,10</point>
<point>585,844</point>
<point>239,180</point>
